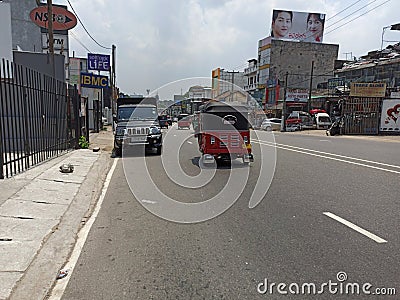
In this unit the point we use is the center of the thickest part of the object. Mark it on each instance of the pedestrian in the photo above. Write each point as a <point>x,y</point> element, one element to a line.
<point>281,23</point>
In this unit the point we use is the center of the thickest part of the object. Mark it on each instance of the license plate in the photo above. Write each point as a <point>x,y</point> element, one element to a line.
<point>136,139</point>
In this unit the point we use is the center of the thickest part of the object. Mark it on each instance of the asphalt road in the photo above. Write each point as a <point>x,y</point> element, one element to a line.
<point>329,219</point>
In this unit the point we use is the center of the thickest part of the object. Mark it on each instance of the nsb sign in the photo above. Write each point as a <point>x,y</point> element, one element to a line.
<point>94,81</point>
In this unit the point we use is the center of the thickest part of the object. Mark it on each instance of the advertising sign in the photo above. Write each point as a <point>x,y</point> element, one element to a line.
<point>94,81</point>
<point>62,18</point>
<point>99,62</point>
<point>390,116</point>
<point>297,95</point>
<point>300,26</point>
<point>368,89</point>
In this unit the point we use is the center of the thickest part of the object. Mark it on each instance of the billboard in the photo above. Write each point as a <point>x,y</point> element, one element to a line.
<point>299,26</point>
<point>390,117</point>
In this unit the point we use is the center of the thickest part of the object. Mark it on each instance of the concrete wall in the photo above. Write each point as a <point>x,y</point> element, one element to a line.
<point>5,32</point>
<point>41,63</point>
<point>296,57</point>
<point>25,33</point>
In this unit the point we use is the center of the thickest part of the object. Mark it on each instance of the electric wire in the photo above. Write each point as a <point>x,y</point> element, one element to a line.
<point>359,16</point>
<point>343,10</point>
<point>349,15</point>
<point>108,48</point>
<point>76,38</point>
<point>342,19</point>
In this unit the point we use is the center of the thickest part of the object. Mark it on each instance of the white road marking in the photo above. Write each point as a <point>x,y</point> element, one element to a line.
<point>61,285</point>
<point>189,142</point>
<point>149,201</point>
<point>356,228</point>
<point>294,149</point>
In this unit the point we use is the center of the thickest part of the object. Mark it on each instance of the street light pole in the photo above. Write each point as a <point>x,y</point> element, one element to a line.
<point>283,123</point>
<point>311,82</point>
<point>392,27</point>
<point>383,32</point>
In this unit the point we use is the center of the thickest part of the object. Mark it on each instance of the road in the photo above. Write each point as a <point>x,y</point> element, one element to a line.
<point>329,220</point>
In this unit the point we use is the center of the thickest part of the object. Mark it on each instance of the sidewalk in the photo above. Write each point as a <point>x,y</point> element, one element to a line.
<point>41,212</point>
<point>322,133</point>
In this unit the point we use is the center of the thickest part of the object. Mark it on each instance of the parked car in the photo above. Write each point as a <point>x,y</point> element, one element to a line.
<point>271,124</point>
<point>322,120</point>
<point>300,120</point>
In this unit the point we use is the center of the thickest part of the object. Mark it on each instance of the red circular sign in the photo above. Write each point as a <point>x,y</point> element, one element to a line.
<point>62,18</point>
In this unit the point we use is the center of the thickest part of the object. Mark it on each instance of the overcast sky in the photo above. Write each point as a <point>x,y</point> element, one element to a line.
<point>159,41</point>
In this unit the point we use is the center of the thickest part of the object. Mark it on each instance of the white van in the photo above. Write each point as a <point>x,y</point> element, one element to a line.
<point>322,120</point>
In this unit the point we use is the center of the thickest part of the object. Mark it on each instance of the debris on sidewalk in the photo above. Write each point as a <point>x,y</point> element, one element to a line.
<point>62,274</point>
<point>66,168</point>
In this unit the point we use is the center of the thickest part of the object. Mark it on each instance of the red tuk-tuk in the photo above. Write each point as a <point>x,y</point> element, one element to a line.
<point>223,133</point>
<point>184,121</point>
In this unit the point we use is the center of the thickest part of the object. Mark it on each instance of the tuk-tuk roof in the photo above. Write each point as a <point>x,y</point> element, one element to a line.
<point>215,106</point>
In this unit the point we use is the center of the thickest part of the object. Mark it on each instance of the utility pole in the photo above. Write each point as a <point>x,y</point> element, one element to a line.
<point>310,89</point>
<point>233,76</point>
<point>283,124</point>
<point>351,55</point>
<point>50,31</point>
<point>112,77</point>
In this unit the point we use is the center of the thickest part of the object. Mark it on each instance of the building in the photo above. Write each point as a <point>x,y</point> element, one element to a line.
<point>292,65</point>
<point>250,74</point>
<point>372,69</point>
<point>26,35</point>
<point>223,81</point>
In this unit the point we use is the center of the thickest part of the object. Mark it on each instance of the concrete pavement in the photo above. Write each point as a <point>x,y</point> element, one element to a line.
<point>322,133</point>
<point>41,212</point>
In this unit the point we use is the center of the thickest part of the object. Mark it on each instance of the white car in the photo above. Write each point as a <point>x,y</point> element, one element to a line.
<point>271,124</point>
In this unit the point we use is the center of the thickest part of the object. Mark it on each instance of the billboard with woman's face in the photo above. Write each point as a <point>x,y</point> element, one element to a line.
<point>300,26</point>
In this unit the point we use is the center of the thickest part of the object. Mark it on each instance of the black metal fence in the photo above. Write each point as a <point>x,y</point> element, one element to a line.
<point>361,115</point>
<point>39,118</point>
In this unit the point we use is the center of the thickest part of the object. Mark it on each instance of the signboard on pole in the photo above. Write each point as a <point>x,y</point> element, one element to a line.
<point>335,82</point>
<point>62,18</point>
<point>94,81</point>
<point>98,62</point>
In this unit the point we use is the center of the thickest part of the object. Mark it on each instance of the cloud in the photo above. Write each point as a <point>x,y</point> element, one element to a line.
<point>163,41</point>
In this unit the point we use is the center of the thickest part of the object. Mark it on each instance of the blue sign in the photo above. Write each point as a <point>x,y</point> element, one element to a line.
<point>94,81</point>
<point>99,62</point>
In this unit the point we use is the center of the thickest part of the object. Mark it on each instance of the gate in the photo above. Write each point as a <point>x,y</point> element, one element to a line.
<point>39,118</point>
<point>361,115</point>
